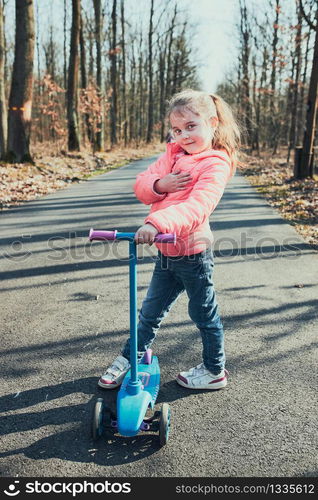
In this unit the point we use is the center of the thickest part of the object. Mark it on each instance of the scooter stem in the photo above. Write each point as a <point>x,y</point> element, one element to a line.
<point>134,384</point>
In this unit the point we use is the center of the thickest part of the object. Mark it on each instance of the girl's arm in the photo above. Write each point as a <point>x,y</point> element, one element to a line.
<point>144,185</point>
<point>186,216</point>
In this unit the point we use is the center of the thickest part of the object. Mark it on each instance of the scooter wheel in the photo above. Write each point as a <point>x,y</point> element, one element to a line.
<point>164,424</point>
<point>147,358</point>
<point>97,421</point>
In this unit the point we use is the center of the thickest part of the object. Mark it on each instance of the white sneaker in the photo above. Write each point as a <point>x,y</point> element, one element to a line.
<point>115,374</point>
<point>201,378</point>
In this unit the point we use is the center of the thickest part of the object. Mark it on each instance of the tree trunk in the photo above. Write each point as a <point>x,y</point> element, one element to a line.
<point>245,33</point>
<point>3,107</point>
<point>279,118</point>
<point>294,114</point>
<point>39,86</point>
<point>302,111</point>
<point>20,100</point>
<point>175,66</point>
<point>82,55</point>
<point>309,134</point>
<point>262,98</point>
<point>84,78</point>
<point>290,115</point>
<point>50,55</point>
<point>64,48</point>
<point>169,56</point>
<point>141,92</point>
<point>98,40</point>
<point>123,51</point>
<point>305,167</point>
<point>150,77</point>
<point>273,117</point>
<point>255,141</point>
<point>113,77</point>
<point>91,61</point>
<point>162,61</point>
<point>133,133</point>
<point>72,89</point>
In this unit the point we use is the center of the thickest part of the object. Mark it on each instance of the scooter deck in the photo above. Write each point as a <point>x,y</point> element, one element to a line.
<point>131,409</point>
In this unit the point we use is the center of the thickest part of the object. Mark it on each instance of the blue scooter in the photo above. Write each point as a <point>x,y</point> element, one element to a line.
<point>140,387</point>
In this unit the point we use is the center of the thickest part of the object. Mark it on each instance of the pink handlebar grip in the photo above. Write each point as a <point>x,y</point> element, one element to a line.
<point>102,235</point>
<point>166,238</point>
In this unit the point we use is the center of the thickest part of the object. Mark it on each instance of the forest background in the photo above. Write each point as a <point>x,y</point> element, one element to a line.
<point>84,86</point>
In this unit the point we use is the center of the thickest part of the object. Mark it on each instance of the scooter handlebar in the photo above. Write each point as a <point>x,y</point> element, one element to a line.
<point>101,235</point>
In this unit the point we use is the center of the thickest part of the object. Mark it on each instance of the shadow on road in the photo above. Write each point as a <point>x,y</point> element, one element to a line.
<point>74,442</point>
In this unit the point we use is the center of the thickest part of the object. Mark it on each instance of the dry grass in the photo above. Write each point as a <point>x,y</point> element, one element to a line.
<point>296,200</point>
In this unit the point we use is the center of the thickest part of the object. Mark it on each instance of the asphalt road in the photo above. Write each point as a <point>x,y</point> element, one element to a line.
<point>65,314</point>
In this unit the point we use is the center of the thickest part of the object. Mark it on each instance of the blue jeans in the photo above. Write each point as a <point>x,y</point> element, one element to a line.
<point>171,277</point>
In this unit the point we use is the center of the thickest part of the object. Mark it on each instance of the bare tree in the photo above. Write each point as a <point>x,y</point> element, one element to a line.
<point>82,55</point>
<point>162,51</point>
<point>141,88</point>
<point>3,107</point>
<point>84,82</point>
<point>304,168</point>
<point>296,68</point>
<point>150,75</point>
<point>245,31</point>
<point>302,112</point>
<point>123,51</point>
<point>39,128</point>
<point>20,100</point>
<point>113,73</point>
<point>256,103</point>
<point>133,130</point>
<point>169,54</point>
<point>273,111</point>
<point>50,52</point>
<point>72,88</point>
<point>64,48</point>
<point>98,41</point>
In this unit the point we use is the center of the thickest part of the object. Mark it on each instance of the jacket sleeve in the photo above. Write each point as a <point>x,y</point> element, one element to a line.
<point>143,186</point>
<point>186,216</point>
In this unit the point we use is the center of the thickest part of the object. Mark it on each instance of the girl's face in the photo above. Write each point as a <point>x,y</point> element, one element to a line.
<point>192,132</point>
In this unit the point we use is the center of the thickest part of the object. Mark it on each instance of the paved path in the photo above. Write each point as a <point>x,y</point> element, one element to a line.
<point>65,313</point>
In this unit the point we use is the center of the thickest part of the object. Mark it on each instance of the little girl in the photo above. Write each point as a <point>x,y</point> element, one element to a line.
<point>183,188</point>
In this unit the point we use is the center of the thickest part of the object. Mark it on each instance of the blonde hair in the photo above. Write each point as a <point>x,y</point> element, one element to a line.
<point>227,134</point>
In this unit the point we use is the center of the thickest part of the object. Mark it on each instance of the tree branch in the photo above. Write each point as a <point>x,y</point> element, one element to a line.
<point>308,20</point>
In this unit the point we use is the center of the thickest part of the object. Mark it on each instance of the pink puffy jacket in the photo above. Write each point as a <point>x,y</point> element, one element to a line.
<point>185,212</point>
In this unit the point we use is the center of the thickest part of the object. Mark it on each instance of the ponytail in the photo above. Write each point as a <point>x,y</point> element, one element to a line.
<point>227,134</point>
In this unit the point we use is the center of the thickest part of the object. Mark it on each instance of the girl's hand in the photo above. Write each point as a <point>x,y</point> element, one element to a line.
<point>172,182</point>
<point>146,234</point>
